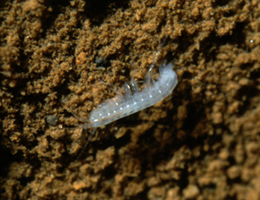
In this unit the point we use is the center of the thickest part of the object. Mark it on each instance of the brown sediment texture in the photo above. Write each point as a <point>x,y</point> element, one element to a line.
<point>202,142</point>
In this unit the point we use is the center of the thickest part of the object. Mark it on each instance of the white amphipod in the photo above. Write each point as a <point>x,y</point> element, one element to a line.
<point>124,105</point>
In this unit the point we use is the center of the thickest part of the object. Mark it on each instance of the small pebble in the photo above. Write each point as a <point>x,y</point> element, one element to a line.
<point>52,120</point>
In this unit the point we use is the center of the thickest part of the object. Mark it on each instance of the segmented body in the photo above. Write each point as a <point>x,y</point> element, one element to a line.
<point>124,105</point>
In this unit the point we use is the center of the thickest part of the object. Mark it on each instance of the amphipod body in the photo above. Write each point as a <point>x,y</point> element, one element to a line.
<point>124,105</point>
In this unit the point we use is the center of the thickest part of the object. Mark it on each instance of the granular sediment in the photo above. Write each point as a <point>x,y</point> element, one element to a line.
<point>202,142</point>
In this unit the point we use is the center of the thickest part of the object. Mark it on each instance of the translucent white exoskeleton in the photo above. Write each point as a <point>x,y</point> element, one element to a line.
<point>124,105</point>
<point>132,102</point>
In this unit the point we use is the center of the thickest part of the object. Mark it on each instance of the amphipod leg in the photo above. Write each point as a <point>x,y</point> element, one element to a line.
<point>134,85</point>
<point>92,132</point>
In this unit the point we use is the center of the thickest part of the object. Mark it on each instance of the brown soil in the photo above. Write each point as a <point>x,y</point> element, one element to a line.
<point>202,142</point>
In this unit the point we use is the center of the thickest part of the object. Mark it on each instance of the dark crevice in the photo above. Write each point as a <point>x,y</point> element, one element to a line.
<point>98,10</point>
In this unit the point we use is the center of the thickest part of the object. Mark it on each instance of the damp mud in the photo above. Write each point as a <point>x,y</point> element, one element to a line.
<point>60,59</point>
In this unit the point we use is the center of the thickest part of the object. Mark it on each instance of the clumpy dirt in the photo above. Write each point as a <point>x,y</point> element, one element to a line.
<point>202,142</point>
